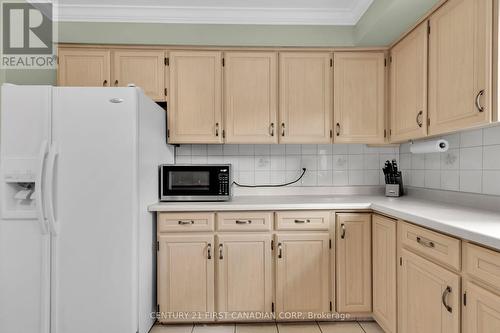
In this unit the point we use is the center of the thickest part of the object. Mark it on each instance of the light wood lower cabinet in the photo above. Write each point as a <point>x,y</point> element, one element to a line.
<point>354,265</point>
<point>429,296</point>
<point>302,279</point>
<point>481,312</point>
<point>244,273</point>
<point>384,272</point>
<point>185,277</point>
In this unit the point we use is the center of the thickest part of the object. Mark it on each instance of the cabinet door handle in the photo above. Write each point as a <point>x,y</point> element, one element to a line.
<point>425,242</point>
<point>337,129</point>
<point>280,251</point>
<point>479,107</point>
<point>216,129</point>
<point>420,118</point>
<point>342,234</point>
<point>105,83</point>
<point>186,222</point>
<point>271,129</point>
<point>243,221</point>
<point>116,83</point>
<point>282,129</point>
<point>209,251</point>
<point>221,251</point>
<point>446,292</point>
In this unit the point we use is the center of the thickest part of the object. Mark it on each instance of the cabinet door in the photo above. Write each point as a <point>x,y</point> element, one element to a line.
<point>359,97</point>
<point>460,65</point>
<point>384,272</point>
<point>144,68</point>
<point>409,86</point>
<point>185,277</point>
<point>302,273</point>
<point>244,279</point>
<point>250,97</point>
<point>425,290</point>
<point>481,313</point>
<point>354,273</point>
<point>195,97</point>
<point>305,97</point>
<point>80,67</point>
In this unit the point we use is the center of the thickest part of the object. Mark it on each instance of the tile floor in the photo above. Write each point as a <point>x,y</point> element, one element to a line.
<point>312,327</point>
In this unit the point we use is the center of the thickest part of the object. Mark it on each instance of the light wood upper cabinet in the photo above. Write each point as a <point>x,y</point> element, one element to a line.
<point>81,67</point>
<point>426,290</point>
<point>481,314</point>
<point>460,47</point>
<point>408,82</point>
<point>359,97</point>
<point>144,68</point>
<point>244,273</point>
<point>250,97</point>
<point>195,111</point>
<point>302,272</point>
<point>186,275</point>
<point>384,272</point>
<point>305,106</point>
<point>354,265</point>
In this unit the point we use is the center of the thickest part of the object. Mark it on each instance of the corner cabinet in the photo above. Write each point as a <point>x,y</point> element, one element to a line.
<point>354,264</point>
<point>408,82</point>
<point>195,111</point>
<point>460,65</point>
<point>251,97</point>
<point>82,67</point>
<point>359,97</point>
<point>384,272</point>
<point>185,288</point>
<point>305,102</point>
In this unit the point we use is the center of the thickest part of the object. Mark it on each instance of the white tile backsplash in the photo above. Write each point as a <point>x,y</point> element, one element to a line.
<point>327,165</point>
<point>472,164</point>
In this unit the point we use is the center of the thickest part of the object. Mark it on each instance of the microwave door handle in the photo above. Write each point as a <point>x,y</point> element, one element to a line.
<point>54,154</point>
<point>42,155</point>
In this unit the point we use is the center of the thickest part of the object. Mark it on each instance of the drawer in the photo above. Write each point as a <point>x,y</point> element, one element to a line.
<point>482,264</point>
<point>434,245</point>
<point>172,222</point>
<point>240,221</point>
<point>303,220</point>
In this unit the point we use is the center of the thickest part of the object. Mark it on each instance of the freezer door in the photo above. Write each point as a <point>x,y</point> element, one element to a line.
<point>94,200</point>
<point>24,241</point>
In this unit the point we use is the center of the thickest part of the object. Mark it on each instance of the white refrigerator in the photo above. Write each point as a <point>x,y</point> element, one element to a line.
<point>78,168</point>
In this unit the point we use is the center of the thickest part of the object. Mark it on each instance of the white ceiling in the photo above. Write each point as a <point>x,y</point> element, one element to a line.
<point>301,12</point>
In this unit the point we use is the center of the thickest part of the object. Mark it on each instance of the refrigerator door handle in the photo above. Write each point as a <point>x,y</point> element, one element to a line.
<point>39,186</point>
<point>53,155</point>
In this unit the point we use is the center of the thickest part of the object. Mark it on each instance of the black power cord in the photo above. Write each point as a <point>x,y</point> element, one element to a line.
<point>274,185</point>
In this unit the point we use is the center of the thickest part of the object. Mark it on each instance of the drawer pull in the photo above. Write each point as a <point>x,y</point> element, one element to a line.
<point>302,221</point>
<point>342,234</point>
<point>209,251</point>
<point>425,242</point>
<point>186,222</point>
<point>243,221</point>
<point>221,250</point>
<point>446,292</point>
<point>280,251</point>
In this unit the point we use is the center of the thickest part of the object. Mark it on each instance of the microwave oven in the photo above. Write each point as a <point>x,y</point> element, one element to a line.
<point>189,182</point>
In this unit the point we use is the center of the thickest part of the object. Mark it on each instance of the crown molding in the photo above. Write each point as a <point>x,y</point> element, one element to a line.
<point>211,15</point>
